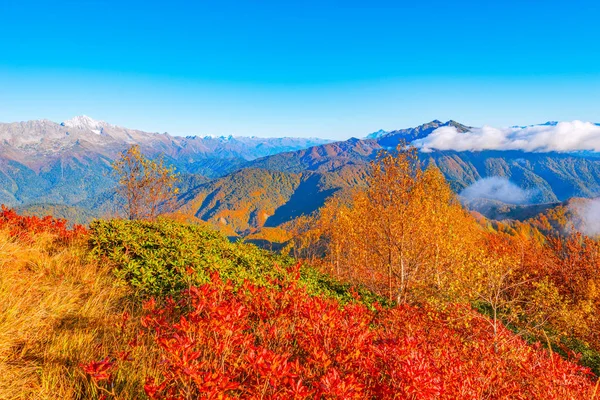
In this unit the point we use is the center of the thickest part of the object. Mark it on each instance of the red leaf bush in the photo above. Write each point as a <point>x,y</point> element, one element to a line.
<point>280,342</point>
<point>24,227</point>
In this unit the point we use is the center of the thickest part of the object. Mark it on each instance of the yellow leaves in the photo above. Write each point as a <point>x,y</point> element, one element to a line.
<point>405,235</point>
<point>147,186</point>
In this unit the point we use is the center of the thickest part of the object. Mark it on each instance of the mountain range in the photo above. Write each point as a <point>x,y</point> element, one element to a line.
<point>245,184</point>
<point>299,182</point>
<point>44,162</point>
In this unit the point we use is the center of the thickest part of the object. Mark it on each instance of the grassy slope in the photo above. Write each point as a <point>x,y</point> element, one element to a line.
<point>58,310</point>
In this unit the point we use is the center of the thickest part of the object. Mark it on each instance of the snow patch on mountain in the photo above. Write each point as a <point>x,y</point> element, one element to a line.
<point>86,123</point>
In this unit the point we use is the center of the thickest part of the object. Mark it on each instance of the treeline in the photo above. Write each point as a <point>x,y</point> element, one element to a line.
<point>408,238</point>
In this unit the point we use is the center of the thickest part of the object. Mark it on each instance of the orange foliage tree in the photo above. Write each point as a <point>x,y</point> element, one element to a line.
<point>406,235</point>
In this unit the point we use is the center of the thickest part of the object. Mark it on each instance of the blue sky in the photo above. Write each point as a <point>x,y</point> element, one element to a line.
<point>303,68</point>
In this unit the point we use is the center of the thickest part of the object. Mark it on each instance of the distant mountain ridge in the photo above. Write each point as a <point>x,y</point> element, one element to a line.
<point>340,166</point>
<point>48,138</point>
<point>65,163</point>
<point>419,132</point>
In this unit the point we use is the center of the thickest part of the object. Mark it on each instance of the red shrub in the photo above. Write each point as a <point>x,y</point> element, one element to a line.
<point>258,342</point>
<point>99,370</point>
<point>25,226</point>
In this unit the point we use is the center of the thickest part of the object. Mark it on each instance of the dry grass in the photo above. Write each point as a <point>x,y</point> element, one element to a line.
<point>58,309</point>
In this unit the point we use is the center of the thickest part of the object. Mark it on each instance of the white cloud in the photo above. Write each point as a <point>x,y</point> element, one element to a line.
<point>562,137</point>
<point>587,217</point>
<point>497,188</point>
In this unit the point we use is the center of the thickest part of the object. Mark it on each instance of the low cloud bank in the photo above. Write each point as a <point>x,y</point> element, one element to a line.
<point>497,188</point>
<point>587,217</point>
<point>561,137</point>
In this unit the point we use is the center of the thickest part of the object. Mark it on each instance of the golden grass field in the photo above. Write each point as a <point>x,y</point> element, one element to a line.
<point>59,308</point>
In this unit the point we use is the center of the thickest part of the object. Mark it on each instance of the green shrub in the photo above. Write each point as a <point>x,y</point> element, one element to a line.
<point>164,257</point>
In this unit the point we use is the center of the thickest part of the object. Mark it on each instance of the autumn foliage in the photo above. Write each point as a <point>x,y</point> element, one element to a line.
<point>558,295</point>
<point>26,226</point>
<point>280,342</point>
<point>147,187</point>
<point>408,238</point>
<point>405,236</point>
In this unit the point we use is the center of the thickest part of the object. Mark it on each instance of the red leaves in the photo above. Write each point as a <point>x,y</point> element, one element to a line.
<point>282,343</point>
<point>99,370</point>
<point>152,389</point>
<point>332,385</point>
<point>23,227</point>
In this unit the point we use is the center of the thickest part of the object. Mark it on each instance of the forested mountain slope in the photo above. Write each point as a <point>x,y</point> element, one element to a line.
<point>543,179</point>
<point>252,198</point>
<point>259,182</point>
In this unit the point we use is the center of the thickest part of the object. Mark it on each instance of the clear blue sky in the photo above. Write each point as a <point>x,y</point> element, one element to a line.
<point>299,68</point>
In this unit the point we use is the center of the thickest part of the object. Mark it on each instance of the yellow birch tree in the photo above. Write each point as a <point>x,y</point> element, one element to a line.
<point>148,187</point>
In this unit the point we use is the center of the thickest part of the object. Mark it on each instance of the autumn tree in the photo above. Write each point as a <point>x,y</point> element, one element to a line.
<point>407,237</point>
<point>572,264</point>
<point>307,240</point>
<point>148,187</point>
<point>404,235</point>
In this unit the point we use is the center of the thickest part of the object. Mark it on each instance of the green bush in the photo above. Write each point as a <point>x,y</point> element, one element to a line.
<point>164,257</point>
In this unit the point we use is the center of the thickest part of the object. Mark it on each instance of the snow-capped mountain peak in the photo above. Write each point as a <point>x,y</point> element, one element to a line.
<point>85,122</point>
